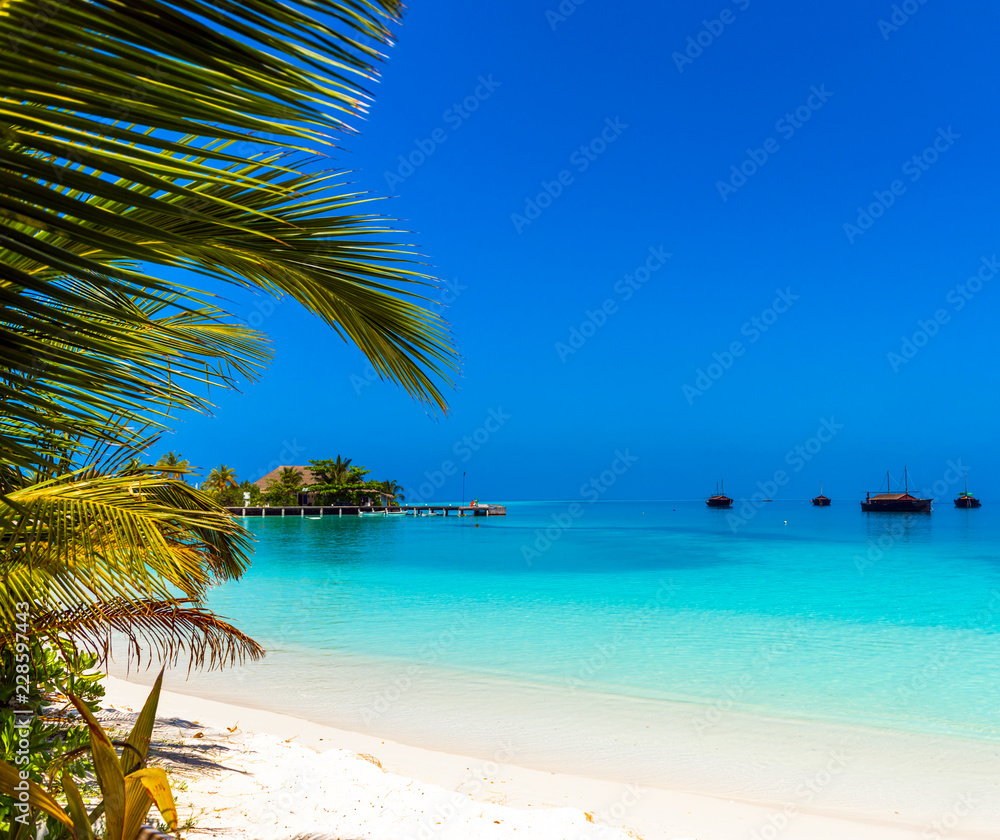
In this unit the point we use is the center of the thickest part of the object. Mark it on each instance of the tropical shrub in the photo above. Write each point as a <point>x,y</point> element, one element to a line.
<point>233,496</point>
<point>55,735</point>
<point>277,494</point>
<point>129,788</point>
<point>220,478</point>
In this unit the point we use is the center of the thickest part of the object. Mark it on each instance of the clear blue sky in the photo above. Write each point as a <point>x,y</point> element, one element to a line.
<point>638,129</point>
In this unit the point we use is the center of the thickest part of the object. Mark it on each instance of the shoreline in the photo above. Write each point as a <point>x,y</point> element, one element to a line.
<point>273,750</point>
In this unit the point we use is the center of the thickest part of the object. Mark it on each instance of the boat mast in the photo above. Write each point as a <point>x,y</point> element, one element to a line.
<point>906,483</point>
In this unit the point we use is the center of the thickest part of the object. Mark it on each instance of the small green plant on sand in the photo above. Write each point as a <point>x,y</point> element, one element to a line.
<point>129,788</point>
<point>39,728</point>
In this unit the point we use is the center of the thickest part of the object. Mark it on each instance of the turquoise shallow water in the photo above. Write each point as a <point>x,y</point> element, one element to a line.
<point>820,614</point>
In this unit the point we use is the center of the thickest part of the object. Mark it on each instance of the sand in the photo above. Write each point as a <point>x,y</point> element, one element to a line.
<point>246,773</point>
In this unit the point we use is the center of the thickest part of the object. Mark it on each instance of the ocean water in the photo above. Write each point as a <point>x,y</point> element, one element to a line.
<point>604,636</point>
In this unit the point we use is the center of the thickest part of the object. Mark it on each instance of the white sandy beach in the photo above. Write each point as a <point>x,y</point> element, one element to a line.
<point>247,773</point>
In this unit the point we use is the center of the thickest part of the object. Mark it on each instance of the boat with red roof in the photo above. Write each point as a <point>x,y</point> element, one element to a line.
<point>890,502</point>
<point>720,499</point>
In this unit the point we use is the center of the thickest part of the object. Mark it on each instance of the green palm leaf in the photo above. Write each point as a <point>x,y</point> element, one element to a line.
<point>117,125</point>
<point>130,553</point>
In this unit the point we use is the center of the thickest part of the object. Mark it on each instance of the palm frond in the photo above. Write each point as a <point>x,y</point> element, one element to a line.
<point>94,540</point>
<point>117,130</point>
<point>160,630</point>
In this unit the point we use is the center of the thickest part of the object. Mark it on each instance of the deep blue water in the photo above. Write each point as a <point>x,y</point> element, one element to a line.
<point>802,612</point>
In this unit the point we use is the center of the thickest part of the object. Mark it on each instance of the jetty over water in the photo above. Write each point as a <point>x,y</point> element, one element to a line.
<point>354,510</point>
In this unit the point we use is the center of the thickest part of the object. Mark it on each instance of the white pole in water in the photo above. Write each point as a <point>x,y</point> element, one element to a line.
<point>302,511</point>
<point>282,511</point>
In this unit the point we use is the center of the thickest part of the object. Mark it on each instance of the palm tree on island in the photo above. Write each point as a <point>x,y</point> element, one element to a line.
<point>390,488</point>
<point>174,464</point>
<point>290,478</point>
<point>220,478</point>
<point>338,470</point>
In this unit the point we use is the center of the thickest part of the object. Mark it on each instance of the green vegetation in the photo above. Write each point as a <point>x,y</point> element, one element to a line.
<point>56,737</point>
<point>334,481</point>
<point>124,158</point>
<point>232,496</point>
<point>393,489</point>
<point>173,464</point>
<point>128,786</point>
<point>284,490</point>
<point>220,478</point>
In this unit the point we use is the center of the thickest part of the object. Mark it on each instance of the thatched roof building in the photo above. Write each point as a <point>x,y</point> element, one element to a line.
<point>308,478</point>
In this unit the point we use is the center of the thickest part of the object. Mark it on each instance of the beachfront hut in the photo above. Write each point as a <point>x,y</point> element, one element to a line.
<point>304,495</point>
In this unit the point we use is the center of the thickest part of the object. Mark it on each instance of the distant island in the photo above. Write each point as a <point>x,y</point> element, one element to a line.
<point>330,481</point>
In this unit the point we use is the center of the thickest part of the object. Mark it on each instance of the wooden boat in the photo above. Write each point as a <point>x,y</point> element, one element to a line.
<point>720,499</point>
<point>966,499</point>
<point>821,500</point>
<point>895,502</point>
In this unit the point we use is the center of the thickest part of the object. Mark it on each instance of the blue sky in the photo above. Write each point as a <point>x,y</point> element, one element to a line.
<point>803,196</point>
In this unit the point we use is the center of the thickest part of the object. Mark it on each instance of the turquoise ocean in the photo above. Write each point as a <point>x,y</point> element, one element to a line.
<point>602,636</point>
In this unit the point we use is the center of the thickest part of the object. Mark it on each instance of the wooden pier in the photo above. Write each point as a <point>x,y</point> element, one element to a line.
<point>354,510</point>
